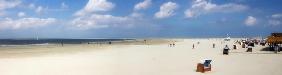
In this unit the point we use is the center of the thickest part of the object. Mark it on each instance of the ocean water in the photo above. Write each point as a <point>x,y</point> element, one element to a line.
<point>9,42</point>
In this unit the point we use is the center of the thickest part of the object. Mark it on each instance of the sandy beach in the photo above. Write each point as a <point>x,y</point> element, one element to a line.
<point>138,59</point>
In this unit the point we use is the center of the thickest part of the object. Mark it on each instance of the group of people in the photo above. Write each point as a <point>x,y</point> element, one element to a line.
<point>249,44</point>
<point>193,46</point>
<point>172,44</point>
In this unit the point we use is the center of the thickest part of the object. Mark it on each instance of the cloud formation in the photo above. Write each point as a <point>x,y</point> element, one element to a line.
<point>143,5</point>
<point>166,10</point>
<point>250,21</point>
<point>276,16</point>
<point>93,20</point>
<point>101,21</point>
<point>7,4</point>
<point>95,6</point>
<point>22,23</point>
<point>200,7</point>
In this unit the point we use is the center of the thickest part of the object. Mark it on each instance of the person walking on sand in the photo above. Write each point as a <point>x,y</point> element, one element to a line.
<point>213,45</point>
<point>193,46</point>
<point>276,48</point>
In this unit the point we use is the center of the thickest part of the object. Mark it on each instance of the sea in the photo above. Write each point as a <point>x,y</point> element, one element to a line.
<point>12,42</point>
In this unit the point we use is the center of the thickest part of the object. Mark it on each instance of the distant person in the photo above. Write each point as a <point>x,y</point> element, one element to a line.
<point>193,46</point>
<point>234,46</point>
<point>62,43</point>
<point>213,45</point>
<point>173,44</point>
<point>226,50</point>
<point>145,41</point>
<point>276,48</point>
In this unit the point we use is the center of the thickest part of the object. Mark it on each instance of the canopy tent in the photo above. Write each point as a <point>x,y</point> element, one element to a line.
<point>272,39</point>
<point>275,38</point>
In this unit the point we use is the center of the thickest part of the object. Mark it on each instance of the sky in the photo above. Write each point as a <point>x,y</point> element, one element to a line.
<point>139,18</point>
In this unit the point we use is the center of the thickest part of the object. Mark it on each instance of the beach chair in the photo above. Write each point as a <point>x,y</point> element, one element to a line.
<point>234,47</point>
<point>202,67</point>
<point>243,45</point>
<point>225,51</point>
<point>207,65</point>
<point>249,49</point>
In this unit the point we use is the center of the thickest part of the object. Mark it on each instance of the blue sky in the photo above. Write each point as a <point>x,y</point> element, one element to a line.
<point>138,18</point>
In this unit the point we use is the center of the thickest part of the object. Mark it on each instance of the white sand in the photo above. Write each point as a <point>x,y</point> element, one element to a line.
<point>142,60</point>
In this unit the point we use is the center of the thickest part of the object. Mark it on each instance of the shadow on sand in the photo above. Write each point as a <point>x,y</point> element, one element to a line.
<point>267,49</point>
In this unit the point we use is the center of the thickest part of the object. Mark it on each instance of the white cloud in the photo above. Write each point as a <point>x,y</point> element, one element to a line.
<point>22,23</point>
<point>166,10</point>
<point>143,5</point>
<point>87,18</point>
<point>95,6</point>
<point>276,16</point>
<point>101,21</point>
<point>45,9</point>
<point>7,4</point>
<point>21,14</point>
<point>200,7</point>
<point>92,19</point>
<point>250,21</point>
<point>64,6</point>
<point>39,9</point>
